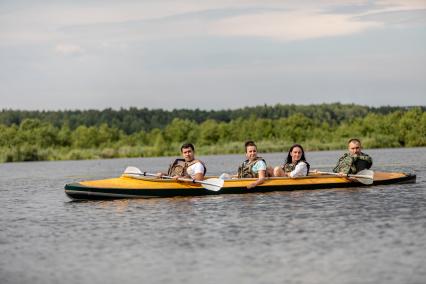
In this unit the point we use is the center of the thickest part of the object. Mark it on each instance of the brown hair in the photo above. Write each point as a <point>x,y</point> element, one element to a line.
<point>249,143</point>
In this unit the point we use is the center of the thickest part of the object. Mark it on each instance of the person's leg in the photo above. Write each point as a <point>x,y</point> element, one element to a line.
<point>279,172</point>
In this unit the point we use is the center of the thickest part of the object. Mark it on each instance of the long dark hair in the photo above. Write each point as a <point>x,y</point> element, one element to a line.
<point>289,159</point>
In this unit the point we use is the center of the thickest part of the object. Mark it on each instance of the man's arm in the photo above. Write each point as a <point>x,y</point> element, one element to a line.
<point>344,165</point>
<point>196,171</point>
<point>199,176</point>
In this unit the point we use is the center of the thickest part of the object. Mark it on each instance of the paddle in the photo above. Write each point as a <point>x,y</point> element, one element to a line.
<point>364,176</point>
<point>213,184</point>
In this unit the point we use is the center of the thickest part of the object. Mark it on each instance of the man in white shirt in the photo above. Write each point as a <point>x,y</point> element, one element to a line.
<point>188,166</point>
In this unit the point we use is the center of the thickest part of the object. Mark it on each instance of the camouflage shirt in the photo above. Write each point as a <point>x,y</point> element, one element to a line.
<point>352,164</point>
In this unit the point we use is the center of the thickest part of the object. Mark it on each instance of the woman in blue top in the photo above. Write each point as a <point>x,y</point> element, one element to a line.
<point>253,167</point>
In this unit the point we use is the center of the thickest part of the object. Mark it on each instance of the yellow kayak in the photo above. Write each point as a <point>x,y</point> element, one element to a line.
<point>134,186</point>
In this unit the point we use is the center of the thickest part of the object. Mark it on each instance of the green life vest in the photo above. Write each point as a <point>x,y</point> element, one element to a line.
<point>179,167</point>
<point>351,165</point>
<point>245,170</point>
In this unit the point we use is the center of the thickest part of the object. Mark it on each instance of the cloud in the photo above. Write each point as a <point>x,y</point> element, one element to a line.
<point>68,49</point>
<point>283,20</point>
<point>403,4</point>
<point>144,49</point>
<point>397,13</point>
<point>292,25</point>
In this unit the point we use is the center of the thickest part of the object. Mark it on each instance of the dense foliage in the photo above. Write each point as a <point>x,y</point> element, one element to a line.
<point>29,136</point>
<point>133,120</point>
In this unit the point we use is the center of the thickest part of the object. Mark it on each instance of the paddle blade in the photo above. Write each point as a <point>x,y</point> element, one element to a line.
<point>133,170</point>
<point>365,176</point>
<point>367,173</point>
<point>365,180</point>
<point>213,184</point>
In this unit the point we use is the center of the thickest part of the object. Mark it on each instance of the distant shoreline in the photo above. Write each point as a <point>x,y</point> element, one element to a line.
<point>131,133</point>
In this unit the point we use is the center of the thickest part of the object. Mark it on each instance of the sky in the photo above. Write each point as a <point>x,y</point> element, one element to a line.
<point>221,54</point>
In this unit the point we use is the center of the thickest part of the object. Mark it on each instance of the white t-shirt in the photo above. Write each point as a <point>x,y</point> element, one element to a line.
<point>300,170</point>
<point>195,169</point>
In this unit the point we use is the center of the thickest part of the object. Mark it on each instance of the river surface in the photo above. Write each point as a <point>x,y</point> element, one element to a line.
<point>357,235</point>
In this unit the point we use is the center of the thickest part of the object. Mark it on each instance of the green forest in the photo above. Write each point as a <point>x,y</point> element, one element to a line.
<point>95,134</point>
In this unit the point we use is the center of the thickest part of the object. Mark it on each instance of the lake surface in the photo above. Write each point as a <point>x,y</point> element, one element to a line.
<point>357,235</point>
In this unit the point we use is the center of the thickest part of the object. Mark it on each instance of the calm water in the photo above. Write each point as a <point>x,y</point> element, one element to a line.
<point>358,235</point>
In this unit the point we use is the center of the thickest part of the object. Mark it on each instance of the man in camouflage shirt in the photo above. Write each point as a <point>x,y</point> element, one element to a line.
<point>353,161</point>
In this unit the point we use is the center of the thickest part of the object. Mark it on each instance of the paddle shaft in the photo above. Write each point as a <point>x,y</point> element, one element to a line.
<point>170,177</point>
<point>347,175</point>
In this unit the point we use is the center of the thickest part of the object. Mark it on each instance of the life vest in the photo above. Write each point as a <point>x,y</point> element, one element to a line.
<point>363,162</point>
<point>179,167</point>
<point>351,165</point>
<point>245,170</point>
<point>289,167</point>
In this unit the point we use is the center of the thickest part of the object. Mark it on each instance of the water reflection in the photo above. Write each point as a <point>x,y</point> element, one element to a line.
<point>352,235</point>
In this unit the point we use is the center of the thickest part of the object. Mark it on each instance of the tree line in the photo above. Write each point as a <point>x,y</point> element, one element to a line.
<point>46,137</point>
<point>133,120</point>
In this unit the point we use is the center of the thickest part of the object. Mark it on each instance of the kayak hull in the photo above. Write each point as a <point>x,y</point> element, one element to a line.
<point>144,187</point>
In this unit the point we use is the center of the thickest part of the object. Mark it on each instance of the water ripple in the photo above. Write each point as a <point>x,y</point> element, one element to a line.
<point>357,235</point>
